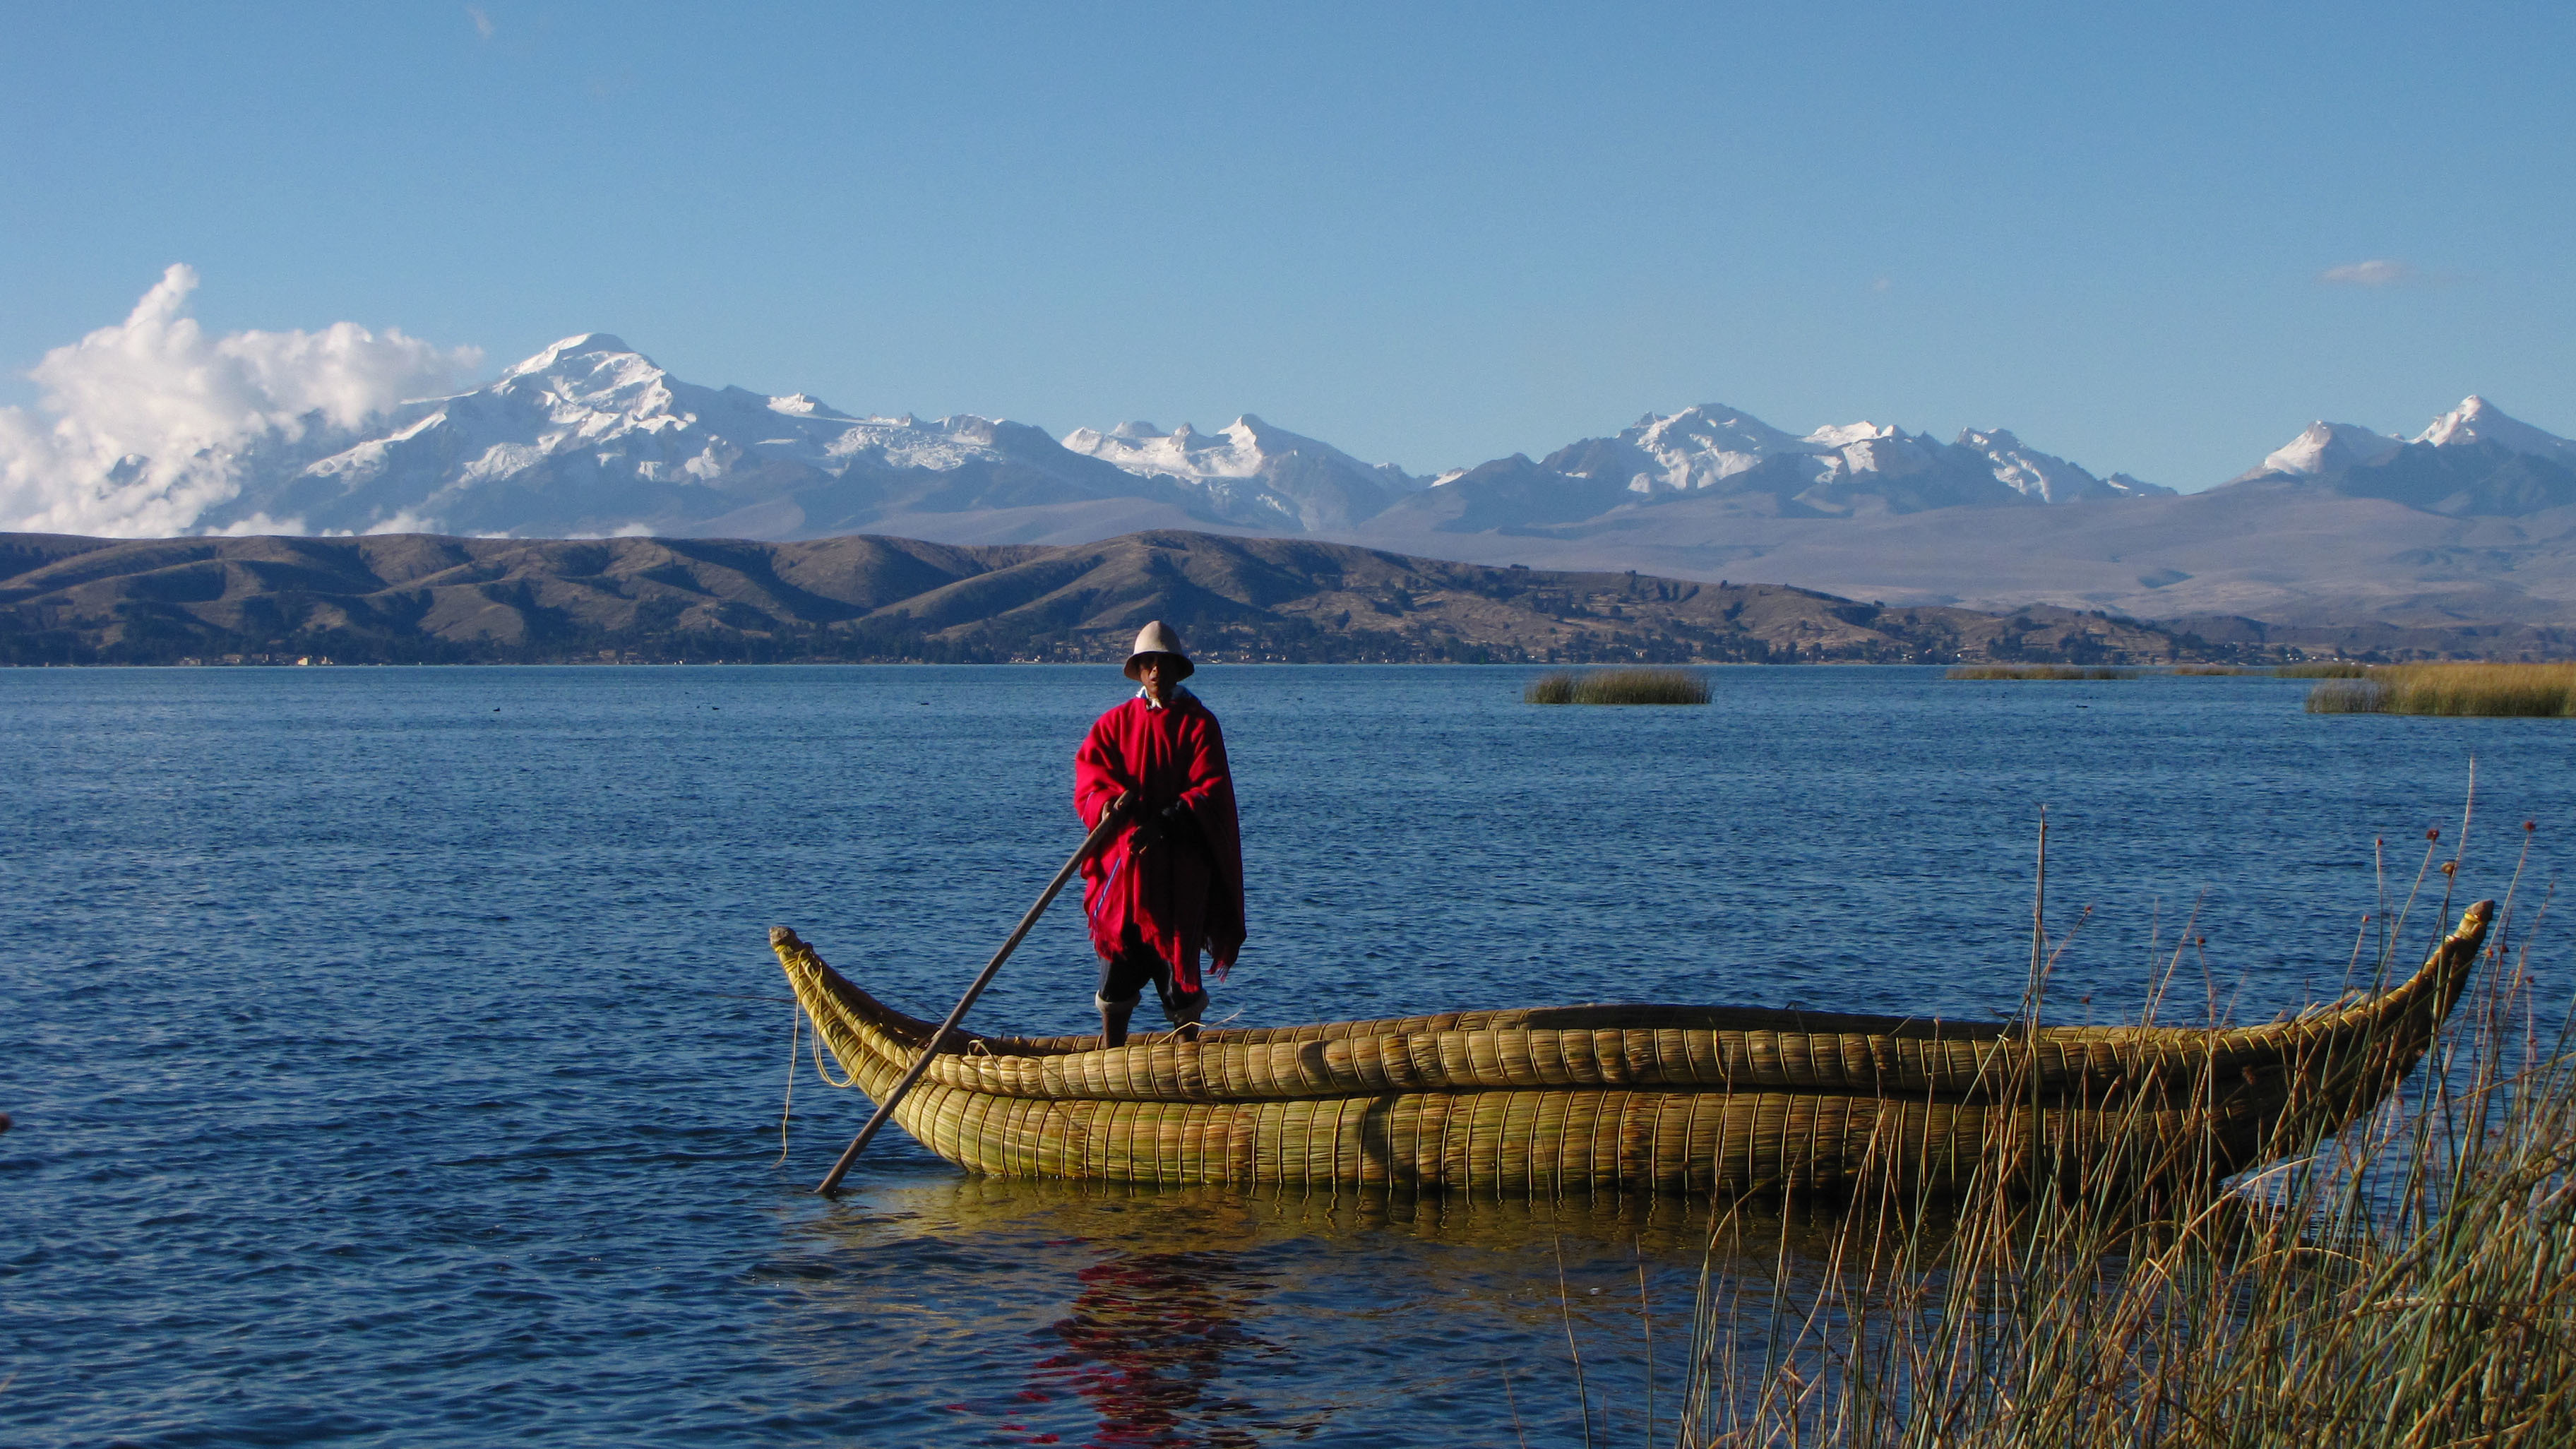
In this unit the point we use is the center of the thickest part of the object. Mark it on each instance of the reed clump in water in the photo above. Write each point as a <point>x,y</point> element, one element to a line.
<point>1619,686</point>
<point>2545,691</point>
<point>2411,1282</point>
<point>2323,669</point>
<point>2036,671</point>
<point>2214,669</point>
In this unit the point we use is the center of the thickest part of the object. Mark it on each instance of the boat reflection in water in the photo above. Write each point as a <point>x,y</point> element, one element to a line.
<point>1085,1313</point>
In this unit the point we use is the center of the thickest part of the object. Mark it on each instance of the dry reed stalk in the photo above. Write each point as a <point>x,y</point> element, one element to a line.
<point>2411,1281</point>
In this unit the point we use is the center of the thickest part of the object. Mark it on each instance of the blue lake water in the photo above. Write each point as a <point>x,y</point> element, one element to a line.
<point>396,1054</point>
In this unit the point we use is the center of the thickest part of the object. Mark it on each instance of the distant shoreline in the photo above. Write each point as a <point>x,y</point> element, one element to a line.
<point>405,599</point>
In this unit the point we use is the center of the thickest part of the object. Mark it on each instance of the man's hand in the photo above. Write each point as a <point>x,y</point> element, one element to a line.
<point>1178,824</point>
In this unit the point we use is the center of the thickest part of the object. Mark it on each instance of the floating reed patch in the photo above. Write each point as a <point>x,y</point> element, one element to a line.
<point>2323,669</point>
<point>2530,691</point>
<point>1619,686</point>
<point>2345,695</point>
<point>2197,669</point>
<point>2036,671</point>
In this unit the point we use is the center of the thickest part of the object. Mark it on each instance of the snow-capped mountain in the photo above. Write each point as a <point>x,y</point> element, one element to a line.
<point>1252,473</point>
<point>2327,448</point>
<point>2476,420</point>
<point>2472,460</point>
<point>2333,447</point>
<point>1718,452</point>
<point>591,436</point>
<point>2047,478</point>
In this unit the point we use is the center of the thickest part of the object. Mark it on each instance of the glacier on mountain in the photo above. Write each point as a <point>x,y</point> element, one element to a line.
<point>1839,468</point>
<point>1253,473</point>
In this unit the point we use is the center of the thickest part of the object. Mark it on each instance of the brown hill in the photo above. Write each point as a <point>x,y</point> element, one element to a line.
<point>430,598</point>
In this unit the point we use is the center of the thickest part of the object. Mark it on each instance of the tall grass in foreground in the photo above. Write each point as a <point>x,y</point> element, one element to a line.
<point>2410,1282</point>
<point>2034,671</point>
<point>2545,691</point>
<point>1619,686</point>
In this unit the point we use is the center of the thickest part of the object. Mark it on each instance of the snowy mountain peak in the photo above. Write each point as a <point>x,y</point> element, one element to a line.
<point>2476,420</point>
<point>1710,427</point>
<point>1843,435</point>
<point>2328,448</point>
<point>801,405</point>
<point>1241,449</point>
<point>2462,423</point>
<point>1250,471</point>
<point>2046,477</point>
<point>1691,449</point>
<point>586,344</point>
<point>1708,447</point>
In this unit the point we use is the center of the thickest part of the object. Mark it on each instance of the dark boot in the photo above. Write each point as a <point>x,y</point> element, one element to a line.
<point>1113,1021</point>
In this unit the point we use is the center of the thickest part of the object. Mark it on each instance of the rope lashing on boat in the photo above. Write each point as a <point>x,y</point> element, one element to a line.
<point>795,1039</point>
<point>1174,1034</point>
<point>795,1023</point>
<point>823,1071</point>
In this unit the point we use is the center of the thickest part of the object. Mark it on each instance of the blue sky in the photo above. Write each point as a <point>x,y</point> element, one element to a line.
<point>1430,235</point>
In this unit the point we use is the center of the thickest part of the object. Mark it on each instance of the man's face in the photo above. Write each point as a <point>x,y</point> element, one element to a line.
<point>1153,673</point>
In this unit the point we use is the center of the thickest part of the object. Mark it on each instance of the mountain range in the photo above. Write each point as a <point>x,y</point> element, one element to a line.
<point>2472,521</point>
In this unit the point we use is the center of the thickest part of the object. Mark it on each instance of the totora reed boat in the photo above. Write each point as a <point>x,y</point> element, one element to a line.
<point>1638,1098</point>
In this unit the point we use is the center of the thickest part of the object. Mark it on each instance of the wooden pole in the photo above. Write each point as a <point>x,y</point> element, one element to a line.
<point>1099,836</point>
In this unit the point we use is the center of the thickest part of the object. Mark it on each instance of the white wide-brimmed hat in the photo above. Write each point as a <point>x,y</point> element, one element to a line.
<point>1158,638</point>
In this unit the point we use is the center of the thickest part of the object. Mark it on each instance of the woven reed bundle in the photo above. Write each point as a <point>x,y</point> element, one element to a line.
<point>1663,1098</point>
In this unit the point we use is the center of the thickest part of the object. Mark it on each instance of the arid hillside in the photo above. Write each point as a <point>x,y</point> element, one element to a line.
<point>425,598</point>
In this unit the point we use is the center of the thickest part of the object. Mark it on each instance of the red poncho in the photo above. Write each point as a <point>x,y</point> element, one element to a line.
<point>1177,899</point>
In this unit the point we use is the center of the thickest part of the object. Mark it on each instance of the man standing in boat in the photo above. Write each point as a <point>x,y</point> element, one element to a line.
<point>1169,885</point>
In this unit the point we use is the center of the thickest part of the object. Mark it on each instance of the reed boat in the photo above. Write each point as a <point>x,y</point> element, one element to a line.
<point>1686,1099</point>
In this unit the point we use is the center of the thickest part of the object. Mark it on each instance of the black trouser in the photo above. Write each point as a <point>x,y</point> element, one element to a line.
<point>1122,982</point>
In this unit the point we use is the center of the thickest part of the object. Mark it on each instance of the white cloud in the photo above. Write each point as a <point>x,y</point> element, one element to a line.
<point>482,22</point>
<point>2377,272</point>
<point>404,521</point>
<point>145,422</point>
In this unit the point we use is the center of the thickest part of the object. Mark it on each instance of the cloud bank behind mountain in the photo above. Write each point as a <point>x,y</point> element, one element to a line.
<point>145,426</point>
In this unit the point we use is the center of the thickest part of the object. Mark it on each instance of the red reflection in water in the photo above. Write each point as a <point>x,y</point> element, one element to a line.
<point>1147,1336</point>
